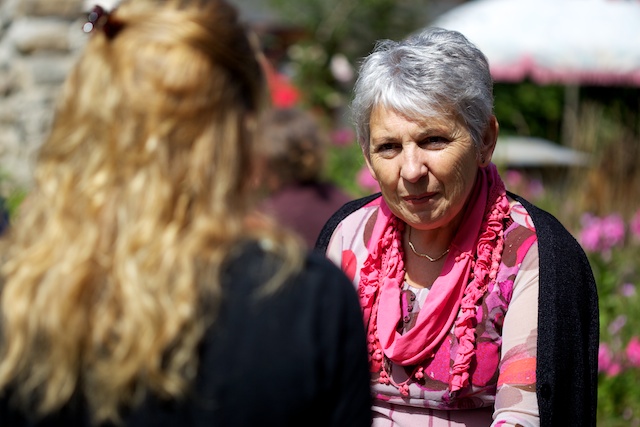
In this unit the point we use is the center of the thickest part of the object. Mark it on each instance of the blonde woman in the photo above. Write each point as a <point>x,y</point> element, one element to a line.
<point>136,290</point>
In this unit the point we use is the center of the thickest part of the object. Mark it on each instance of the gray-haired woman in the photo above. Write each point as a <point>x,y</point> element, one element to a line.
<point>480,308</point>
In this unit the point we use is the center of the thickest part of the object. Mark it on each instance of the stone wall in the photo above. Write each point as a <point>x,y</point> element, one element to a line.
<point>39,41</point>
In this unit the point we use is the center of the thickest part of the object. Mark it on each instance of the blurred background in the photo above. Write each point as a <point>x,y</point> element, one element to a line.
<point>567,89</point>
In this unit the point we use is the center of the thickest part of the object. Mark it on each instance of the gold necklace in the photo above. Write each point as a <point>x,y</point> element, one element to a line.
<point>424,255</point>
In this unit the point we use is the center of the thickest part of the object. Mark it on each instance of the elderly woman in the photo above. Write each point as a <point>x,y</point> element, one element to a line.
<point>479,307</point>
<point>138,288</point>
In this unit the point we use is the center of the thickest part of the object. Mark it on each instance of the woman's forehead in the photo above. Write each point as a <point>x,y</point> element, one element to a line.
<point>422,117</point>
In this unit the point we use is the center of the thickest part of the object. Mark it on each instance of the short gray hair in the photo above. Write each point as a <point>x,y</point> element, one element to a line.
<point>432,71</point>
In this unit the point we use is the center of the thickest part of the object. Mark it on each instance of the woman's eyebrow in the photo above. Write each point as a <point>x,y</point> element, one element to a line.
<point>385,139</point>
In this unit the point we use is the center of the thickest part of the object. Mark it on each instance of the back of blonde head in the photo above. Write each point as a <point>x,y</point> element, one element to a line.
<point>141,192</point>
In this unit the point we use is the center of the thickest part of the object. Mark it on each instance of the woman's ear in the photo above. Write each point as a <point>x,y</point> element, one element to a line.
<point>488,143</point>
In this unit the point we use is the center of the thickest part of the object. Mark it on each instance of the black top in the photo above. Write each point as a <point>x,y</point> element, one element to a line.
<point>568,319</point>
<point>295,358</point>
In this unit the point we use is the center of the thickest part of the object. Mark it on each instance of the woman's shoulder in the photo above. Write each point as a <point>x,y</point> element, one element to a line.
<point>253,264</point>
<point>355,210</point>
<point>520,215</point>
<point>556,244</point>
<point>546,225</point>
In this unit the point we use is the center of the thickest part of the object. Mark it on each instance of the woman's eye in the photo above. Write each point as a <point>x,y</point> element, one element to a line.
<point>434,141</point>
<point>386,147</point>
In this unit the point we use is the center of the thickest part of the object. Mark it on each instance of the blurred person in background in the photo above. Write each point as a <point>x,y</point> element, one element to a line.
<point>480,308</point>
<point>137,288</point>
<point>293,149</point>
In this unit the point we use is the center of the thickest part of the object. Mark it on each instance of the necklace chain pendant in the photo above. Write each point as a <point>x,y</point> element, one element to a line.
<point>421,255</point>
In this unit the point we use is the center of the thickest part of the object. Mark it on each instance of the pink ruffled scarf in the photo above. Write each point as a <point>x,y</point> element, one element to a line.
<point>469,268</point>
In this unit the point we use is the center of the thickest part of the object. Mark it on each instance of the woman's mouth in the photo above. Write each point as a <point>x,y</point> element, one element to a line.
<point>417,199</point>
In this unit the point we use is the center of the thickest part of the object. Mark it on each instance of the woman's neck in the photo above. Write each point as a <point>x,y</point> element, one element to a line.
<point>425,255</point>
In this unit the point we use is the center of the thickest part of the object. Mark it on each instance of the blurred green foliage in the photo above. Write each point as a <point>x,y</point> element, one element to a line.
<point>617,276</point>
<point>529,109</point>
<point>343,165</point>
<point>346,27</point>
<point>351,27</point>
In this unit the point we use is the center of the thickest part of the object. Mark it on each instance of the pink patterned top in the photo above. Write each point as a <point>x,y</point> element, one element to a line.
<point>502,378</point>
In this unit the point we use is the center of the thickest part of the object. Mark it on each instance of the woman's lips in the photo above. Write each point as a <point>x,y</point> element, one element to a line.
<point>419,198</point>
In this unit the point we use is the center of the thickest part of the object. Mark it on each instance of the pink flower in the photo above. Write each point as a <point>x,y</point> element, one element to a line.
<point>536,188</point>
<point>607,362</point>
<point>628,290</point>
<point>590,235</point>
<point>341,69</point>
<point>633,352</point>
<point>605,357</point>
<point>601,234</point>
<point>366,181</point>
<point>342,137</point>
<point>612,230</point>
<point>614,369</point>
<point>513,178</point>
<point>617,324</point>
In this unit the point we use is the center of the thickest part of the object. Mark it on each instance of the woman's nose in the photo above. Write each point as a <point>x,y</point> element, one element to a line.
<point>413,166</point>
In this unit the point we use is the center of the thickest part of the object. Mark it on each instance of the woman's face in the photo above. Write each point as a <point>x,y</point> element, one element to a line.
<point>426,168</point>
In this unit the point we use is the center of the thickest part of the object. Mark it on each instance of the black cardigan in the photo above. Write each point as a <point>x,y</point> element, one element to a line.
<point>568,319</point>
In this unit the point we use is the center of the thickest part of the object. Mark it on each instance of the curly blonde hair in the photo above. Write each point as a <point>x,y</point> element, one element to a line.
<point>141,192</point>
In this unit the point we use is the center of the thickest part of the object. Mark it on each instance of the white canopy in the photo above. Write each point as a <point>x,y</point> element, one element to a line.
<point>524,151</point>
<point>554,41</point>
